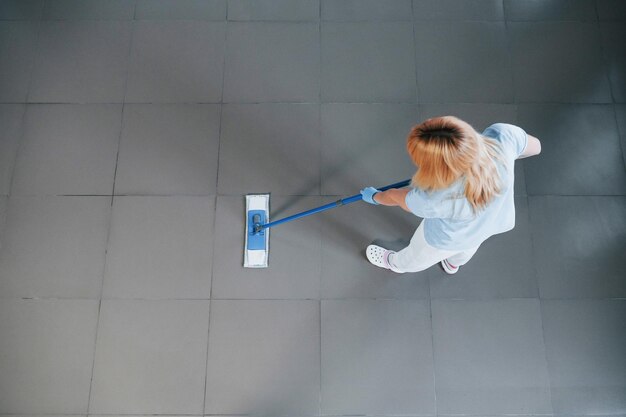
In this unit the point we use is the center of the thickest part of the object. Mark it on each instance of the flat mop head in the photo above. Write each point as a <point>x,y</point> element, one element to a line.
<point>256,249</point>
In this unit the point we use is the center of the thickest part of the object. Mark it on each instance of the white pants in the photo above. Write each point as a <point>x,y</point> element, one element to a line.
<point>419,255</point>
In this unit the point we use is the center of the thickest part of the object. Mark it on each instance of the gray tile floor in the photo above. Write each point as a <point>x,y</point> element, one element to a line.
<point>131,129</point>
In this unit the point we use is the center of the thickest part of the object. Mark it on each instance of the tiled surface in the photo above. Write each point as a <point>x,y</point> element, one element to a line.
<point>297,10</point>
<point>425,10</point>
<point>130,131</point>
<point>18,41</point>
<point>81,61</point>
<point>390,74</point>
<point>533,10</point>
<point>11,117</point>
<point>580,150</point>
<point>613,34</point>
<point>150,357</point>
<point>89,9</point>
<point>272,62</point>
<point>178,61</point>
<point>579,246</point>
<point>446,60</point>
<point>54,247</point>
<point>543,54</point>
<point>353,367</point>
<point>585,343</point>
<point>47,352</point>
<point>68,149</point>
<point>490,357</point>
<point>249,342</point>
<point>181,9</point>
<point>269,148</point>
<point>21,9</point>
<point>160,247</point>
<point>362,10</point>
<point>168,149</point>
<point>620,114</point>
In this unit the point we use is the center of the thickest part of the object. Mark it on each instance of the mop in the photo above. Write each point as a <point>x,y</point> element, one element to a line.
<point>257,232</point>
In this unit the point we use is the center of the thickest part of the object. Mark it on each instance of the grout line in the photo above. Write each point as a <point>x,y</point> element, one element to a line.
<point>415,70</point>
<point>432,346</point>
<point>321,266</point>
<point>545,355</point>
<point>391,102</point>
<point>474,299</point>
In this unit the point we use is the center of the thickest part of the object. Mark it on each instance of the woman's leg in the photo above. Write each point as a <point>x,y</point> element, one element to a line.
<point>461,258</point>
<point>419,255</point>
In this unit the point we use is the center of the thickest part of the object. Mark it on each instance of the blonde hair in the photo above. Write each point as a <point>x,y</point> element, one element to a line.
<point>446,149</point>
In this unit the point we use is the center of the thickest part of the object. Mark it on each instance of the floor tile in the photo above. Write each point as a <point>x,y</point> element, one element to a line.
<point>346,272</point>
<point>613,34</point>
<point>150,357</point>
<point>574,10</point>
<point>377,357</point>
<point>176,61</point>
<point>585,344</point>
<point>360,10</point>
<point>89,9</point>
<point>579,246</point>
<point>11,117</point>
<point>611,9</point>
<point>447,60</point>
<point>181,9</point>
<point>54,246</point>
<point>502,267</point>
<point>169,149</point>
<point>272,62</point>
<point>544,54</point>
<point>68,149</point>
<point>365,145</point>
<point>383,47</point>
<point>480,116</point>
<point>21,9</point>
<point>580,154</point>
<point>264,358</point>
<point>47,353</point>
<point>490,357</point>
<point>18,42</point>
<point>457,10</point>
<point>270,147</point>
<point>273,10</point>
<point>160,247</point>
<point>294,262</point>
<point>620,113</point>
<point>81,61</point>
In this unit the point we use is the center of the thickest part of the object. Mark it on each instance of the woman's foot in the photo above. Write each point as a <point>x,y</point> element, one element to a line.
<point>379,256</point>
<point>449,268</point>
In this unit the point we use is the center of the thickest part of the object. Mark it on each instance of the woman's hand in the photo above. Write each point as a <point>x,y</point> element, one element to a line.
<point>391,197</point>
<point>368,195</point>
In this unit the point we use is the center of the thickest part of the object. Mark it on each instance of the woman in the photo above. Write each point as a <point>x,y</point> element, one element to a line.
<point>463,189</point>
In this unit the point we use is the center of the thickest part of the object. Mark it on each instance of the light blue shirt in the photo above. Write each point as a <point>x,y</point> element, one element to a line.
<point>449,220</point>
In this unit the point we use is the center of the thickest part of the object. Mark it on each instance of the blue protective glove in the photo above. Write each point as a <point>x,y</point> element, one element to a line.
<point>368,195</point>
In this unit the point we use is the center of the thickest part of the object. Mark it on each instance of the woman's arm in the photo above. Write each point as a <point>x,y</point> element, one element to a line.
<point>393,197</point>
<point>533,147</point>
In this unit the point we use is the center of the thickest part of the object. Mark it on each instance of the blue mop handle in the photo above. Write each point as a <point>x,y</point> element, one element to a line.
<point>328,206</point>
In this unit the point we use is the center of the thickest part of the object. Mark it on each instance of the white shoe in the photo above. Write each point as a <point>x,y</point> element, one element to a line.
<point>449,268</point>
<point>379,256</point>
